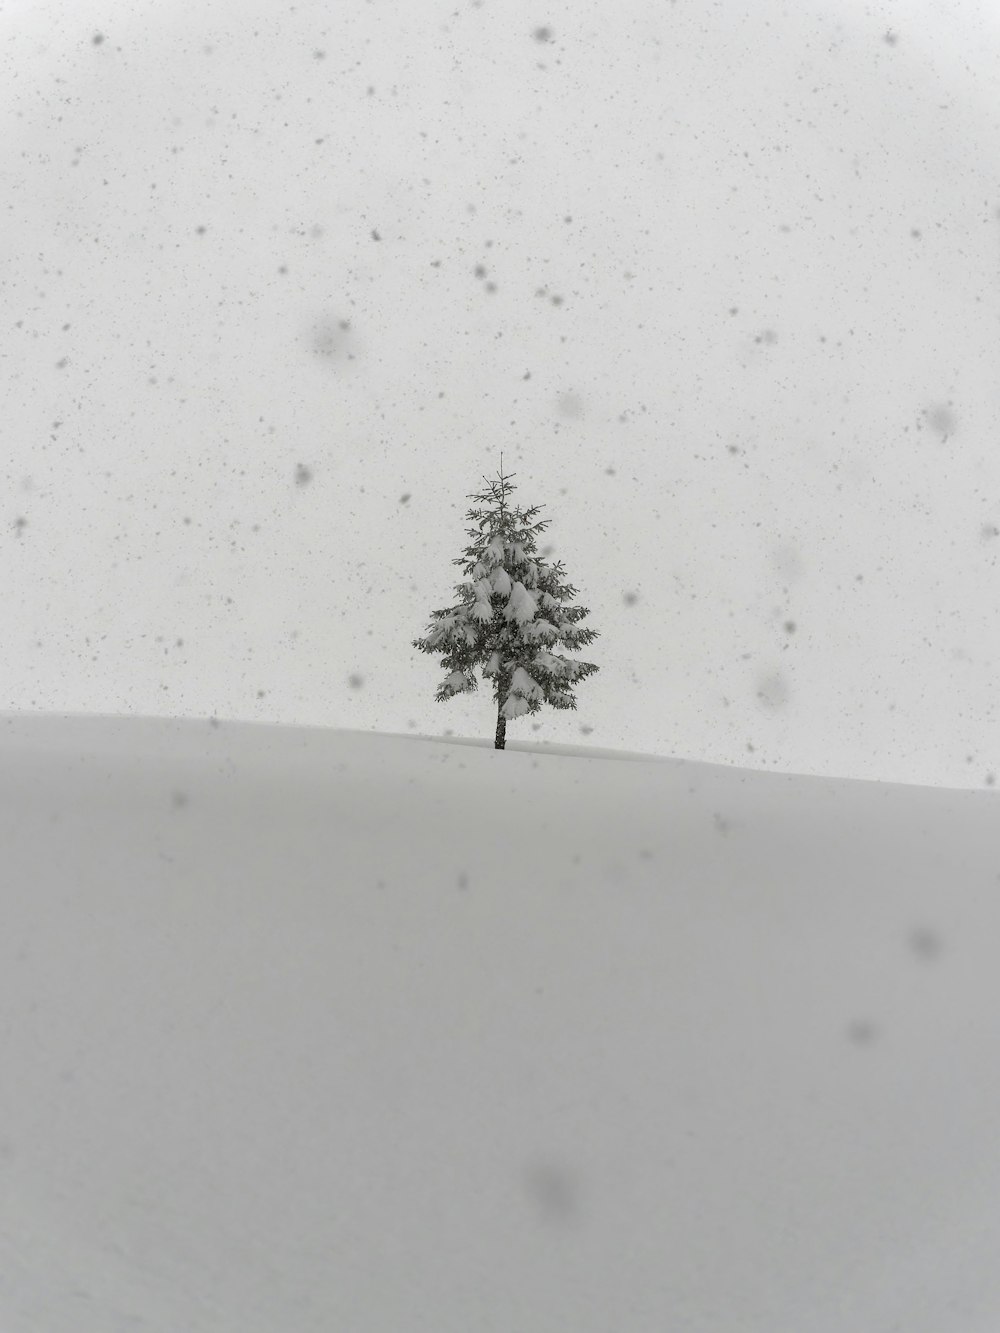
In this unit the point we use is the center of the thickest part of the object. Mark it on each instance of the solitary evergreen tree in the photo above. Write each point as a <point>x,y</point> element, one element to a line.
<point>513,611</point>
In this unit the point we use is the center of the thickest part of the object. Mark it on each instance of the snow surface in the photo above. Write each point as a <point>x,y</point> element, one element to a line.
<point>308,1030</point>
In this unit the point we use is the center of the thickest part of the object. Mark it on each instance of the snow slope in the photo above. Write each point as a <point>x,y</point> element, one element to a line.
<point>309,1030</point>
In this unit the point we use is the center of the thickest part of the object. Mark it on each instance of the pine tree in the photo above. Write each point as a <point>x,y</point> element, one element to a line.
<point>513,611</point>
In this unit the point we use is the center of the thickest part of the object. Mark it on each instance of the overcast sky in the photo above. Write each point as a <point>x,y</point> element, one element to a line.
<point>722,280</point>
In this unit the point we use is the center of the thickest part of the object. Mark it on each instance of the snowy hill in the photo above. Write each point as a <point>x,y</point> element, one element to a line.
<point>309,1030</point>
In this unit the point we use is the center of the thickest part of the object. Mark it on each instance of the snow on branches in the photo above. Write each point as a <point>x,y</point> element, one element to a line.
<point>513,609</point>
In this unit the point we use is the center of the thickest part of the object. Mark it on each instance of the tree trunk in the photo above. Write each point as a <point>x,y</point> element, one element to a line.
<point>501,736</point>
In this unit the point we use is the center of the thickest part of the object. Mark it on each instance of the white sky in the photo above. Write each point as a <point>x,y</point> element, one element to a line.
<point>768,398</point>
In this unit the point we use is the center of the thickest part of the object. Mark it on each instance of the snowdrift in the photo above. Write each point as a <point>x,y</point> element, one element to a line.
<point>311,1031</point>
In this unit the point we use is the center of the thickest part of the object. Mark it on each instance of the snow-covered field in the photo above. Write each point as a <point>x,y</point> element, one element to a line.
<point>307,1031</point>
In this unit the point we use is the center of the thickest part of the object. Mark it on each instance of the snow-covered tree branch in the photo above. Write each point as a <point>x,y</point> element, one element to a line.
<point>514,610</point>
